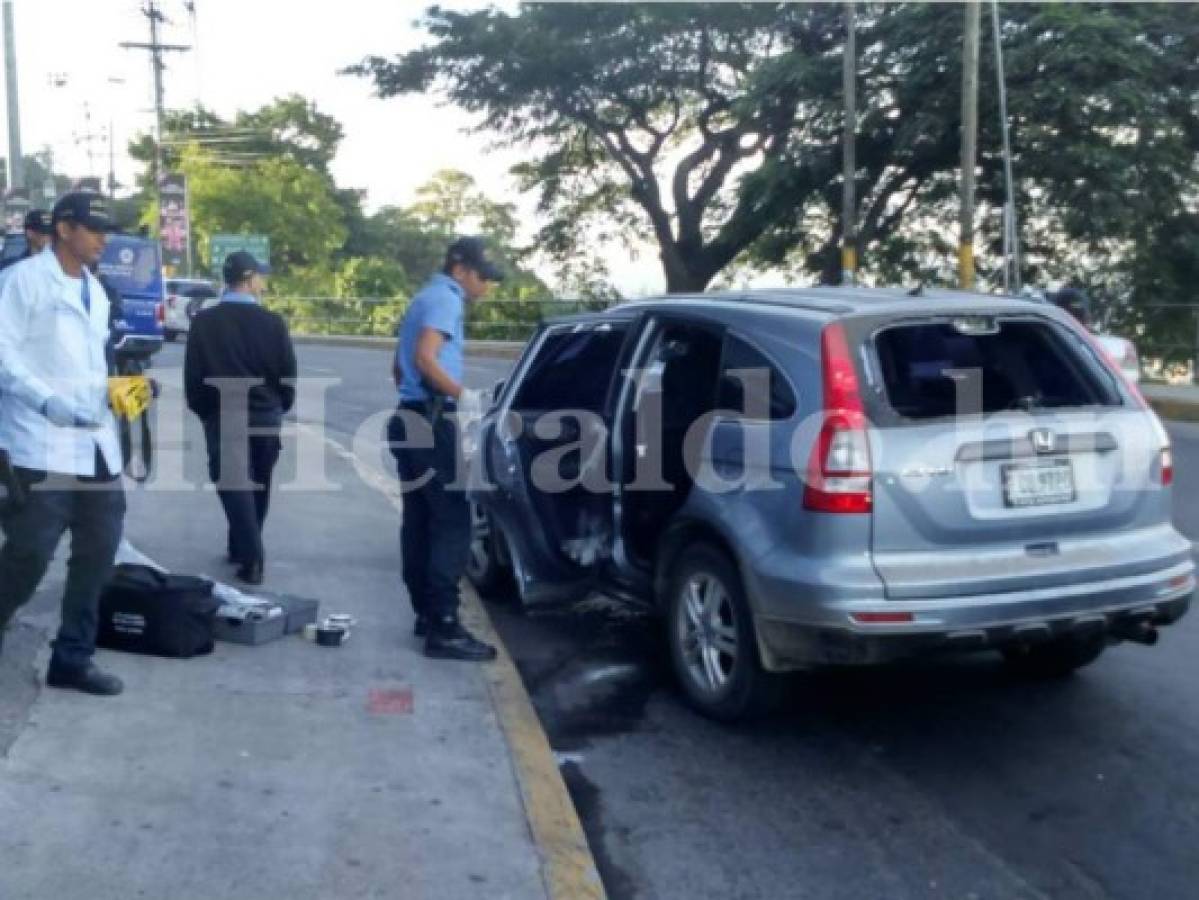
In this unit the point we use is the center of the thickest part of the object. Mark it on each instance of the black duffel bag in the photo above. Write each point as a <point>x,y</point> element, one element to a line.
<point>143,610</point>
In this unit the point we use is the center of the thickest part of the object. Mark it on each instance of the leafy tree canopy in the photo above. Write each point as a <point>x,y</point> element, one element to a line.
<point>714,130</point>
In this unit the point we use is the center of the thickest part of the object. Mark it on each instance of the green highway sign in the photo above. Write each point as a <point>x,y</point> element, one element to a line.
<point>221,245</point>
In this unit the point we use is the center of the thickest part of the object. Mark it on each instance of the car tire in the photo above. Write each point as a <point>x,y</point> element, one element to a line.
<point>485,567</point>
<point>1054,659</point>
<point>713,643</point>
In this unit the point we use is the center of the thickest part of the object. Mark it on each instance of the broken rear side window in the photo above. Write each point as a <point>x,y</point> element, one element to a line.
<point>1015,365</point>
<point>573,370</point>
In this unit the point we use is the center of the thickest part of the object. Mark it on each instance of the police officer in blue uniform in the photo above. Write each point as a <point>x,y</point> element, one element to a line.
<point>436,531</point>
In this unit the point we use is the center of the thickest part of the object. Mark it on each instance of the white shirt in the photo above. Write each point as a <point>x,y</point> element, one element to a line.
<point>50,346</point>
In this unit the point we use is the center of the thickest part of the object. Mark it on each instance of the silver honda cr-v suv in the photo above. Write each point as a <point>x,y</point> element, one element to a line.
<point>833,476</point>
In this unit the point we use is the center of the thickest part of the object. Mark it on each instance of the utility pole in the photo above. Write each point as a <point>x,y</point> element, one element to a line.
<point>112,145</point>
<point>849,212</point>
<point>156,49</point>
<point>112,161</point>
<point>969,143</point>
<point>16,160</point>
<point>1011,230</point>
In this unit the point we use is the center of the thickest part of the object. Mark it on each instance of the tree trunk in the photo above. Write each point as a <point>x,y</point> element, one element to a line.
<point>682,279</point>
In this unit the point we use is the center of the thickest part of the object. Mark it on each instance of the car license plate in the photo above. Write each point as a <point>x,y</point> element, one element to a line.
<point>1038,484</point>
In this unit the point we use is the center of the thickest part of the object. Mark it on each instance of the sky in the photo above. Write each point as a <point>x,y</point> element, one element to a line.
<point>76,80</point>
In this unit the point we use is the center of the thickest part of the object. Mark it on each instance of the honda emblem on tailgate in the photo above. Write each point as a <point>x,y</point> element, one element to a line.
<point>1043,440</point>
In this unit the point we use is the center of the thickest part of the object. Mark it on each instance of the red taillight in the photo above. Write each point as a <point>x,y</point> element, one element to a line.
<point>839,471</point>
<point>159,313</point>
<point>1167,467</point>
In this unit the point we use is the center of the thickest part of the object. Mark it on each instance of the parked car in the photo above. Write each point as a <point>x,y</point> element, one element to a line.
<point>1034,521</point>
<point>132,266</point>
<point>186,297</point>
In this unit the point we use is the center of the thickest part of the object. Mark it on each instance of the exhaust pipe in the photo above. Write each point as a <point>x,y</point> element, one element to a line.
<point>1140,632</point>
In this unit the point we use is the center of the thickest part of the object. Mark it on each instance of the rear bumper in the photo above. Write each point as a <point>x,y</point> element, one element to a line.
<point>829,634</point>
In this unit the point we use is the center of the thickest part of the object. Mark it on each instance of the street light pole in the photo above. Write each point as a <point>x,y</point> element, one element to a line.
<point>16,159</point>
<point>969,143</point>
<point>112,146</point>
<point>1011,230</point>
<point>849,250</point>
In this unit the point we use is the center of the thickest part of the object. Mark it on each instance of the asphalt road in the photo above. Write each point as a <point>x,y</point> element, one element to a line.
<point>937,779</point>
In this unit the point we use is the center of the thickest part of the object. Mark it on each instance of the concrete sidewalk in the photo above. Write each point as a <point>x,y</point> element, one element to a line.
<point>281,771</point>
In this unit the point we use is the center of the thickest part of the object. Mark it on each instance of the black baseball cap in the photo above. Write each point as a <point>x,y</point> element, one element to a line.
<point>86,209</point>
<point>241,265</point>
<point>472,253</point>
<point>38,220</point>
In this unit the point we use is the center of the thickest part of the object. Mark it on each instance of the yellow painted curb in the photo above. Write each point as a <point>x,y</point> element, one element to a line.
<point>567,866</point>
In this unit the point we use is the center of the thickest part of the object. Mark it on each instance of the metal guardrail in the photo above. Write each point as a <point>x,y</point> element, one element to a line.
<point>1166,336</point>
<point>495,319</point>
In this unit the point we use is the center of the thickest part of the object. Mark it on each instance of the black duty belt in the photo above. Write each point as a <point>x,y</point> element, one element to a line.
<point>430,409</point>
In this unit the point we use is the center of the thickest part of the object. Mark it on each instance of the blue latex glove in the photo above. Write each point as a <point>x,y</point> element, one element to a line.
<point>65,415</point>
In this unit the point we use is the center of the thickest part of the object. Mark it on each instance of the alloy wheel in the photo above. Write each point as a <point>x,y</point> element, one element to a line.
<point>708,633</point>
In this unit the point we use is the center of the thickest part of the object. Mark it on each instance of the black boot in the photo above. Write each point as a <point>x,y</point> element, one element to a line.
<point>88,679</point>
<point>449,640</point>
<point>251,573</point>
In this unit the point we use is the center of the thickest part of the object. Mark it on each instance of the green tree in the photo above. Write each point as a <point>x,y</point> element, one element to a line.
<point>275,196</point>
<point>290,128</point>
<point>714,129</point>
<point>645,112</point>
<point>450,203</point>
<point>396,234</point>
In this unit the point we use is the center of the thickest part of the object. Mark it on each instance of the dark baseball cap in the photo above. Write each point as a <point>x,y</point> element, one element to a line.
<point>38,220</point>
<point>86,209</point>
<point>241,265</point>
<point>472,253</point>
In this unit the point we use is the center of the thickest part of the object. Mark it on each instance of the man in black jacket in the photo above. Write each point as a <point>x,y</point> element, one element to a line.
<point>239,376</point>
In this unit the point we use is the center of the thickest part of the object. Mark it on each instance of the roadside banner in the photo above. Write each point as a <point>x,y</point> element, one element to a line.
<point>174,225</point>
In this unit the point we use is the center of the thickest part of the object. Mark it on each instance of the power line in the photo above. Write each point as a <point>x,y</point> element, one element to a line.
<point>156,49</point>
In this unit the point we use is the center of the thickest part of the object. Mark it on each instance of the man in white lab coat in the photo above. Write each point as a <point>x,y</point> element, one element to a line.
<point>60,434</point>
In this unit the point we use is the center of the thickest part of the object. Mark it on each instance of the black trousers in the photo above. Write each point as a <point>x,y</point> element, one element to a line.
<point>242,466</point>
<point>93,511</point>
<point>436,531</point>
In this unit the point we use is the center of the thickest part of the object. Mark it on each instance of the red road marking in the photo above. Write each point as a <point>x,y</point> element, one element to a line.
<point>390,702</point>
